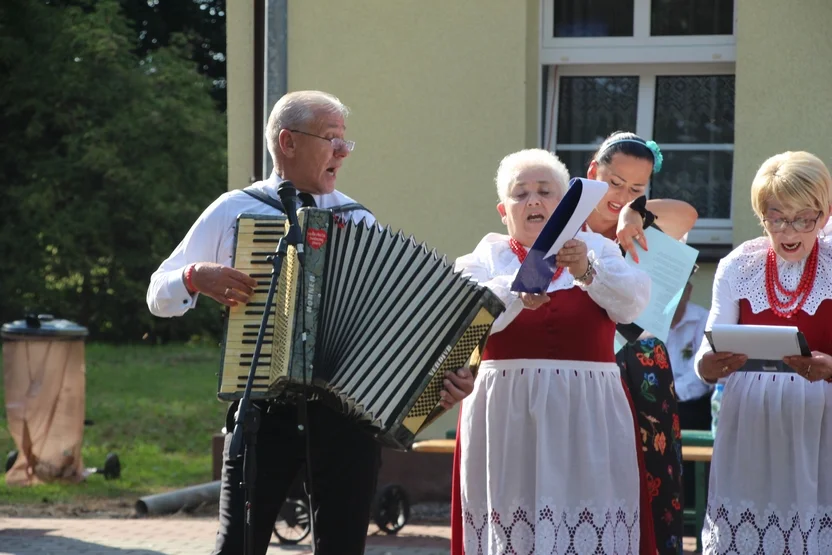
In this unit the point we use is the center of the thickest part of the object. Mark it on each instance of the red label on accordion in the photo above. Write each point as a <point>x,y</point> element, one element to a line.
<point>315,238</point>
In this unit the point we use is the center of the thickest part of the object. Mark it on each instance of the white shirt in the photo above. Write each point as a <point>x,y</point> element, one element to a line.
<point>211,239</point>
<point>618,287</point>
<point>682,343</point>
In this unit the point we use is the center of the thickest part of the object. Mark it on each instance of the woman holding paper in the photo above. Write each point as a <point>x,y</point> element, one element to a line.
<point>626,162</point>
<point>547,455</point>
<point>771,478</point>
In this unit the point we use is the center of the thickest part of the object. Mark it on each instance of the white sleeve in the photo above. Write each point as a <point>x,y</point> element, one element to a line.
<point>618,287</point>
<point>167,295</point>
<point>725,309</point>
<point>473,266</point>
<point>363,215</point>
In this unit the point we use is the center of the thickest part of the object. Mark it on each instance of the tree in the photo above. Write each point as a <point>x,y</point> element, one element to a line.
<point>201,21</point>
<point>107,158</point>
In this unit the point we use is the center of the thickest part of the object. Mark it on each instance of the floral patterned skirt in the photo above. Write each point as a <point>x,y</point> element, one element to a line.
<point>646,370</point>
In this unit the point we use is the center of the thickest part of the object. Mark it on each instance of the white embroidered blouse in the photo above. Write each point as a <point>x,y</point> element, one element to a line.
<point>742,275</point>
<point>619,288</point>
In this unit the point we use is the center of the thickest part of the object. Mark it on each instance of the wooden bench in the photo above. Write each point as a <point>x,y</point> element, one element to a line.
<point>435,446</point>
<point>697,447</point>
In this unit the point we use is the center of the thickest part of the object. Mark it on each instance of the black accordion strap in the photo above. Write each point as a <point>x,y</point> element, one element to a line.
<point>350,207</point>
<point>274,203</point>
<point>264,198</point>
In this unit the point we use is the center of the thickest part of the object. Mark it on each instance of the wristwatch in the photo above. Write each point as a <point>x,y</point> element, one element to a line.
<point>587,276</point>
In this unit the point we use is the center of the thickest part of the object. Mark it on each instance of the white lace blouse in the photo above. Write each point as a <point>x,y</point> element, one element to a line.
<point>742,275</point>
<point>619,288</point>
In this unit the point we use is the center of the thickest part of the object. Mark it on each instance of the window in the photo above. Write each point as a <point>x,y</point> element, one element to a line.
<point>637,31</point>
<point>687,109</point>
<point>661,68</point>
<point>593,18</point>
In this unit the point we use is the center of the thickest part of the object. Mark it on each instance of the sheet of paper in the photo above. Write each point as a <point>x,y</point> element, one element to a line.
<point>581,198</point>
<point>591,194</point>
<point>756,342</point>
<point>669,264</point>
<point>619,342</point>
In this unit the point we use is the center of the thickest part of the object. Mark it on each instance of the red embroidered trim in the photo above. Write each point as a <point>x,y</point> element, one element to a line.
<point>520,251</point>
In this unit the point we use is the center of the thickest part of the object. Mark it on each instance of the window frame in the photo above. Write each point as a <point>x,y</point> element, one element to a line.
<point>641,48</point>
<point>707,231</point>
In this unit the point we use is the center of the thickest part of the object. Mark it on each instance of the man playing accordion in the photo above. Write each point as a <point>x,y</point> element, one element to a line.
<point>305,135</point>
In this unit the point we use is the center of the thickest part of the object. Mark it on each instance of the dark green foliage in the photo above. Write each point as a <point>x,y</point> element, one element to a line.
<point>203,23</point>
<point>106,158</point>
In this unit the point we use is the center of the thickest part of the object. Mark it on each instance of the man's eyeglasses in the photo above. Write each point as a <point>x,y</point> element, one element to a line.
<point>337,144</point>
<point>800,225</point>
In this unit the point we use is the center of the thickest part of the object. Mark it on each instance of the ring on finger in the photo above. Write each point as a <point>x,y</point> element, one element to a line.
<point>809,371</point>
<point>725,369</point>
<point>637,236</point>
<point>227,291</point>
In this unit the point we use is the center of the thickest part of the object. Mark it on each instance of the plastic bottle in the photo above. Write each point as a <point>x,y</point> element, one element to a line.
<point>716,402</point>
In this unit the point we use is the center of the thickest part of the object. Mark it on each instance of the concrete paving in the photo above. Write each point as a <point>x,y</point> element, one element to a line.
<point>184,536</point>
<point>180,536</point>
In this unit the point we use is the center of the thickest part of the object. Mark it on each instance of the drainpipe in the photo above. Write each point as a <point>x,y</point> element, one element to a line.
<point>173,501</point>
<point>275,64</point>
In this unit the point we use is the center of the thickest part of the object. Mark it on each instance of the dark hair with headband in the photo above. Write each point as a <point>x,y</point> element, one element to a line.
<point>630,144</point>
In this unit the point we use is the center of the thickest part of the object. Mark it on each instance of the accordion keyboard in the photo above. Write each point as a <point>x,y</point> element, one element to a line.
<point>256,239</point>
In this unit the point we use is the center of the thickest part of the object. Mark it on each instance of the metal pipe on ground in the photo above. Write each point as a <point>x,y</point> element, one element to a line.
<point>173,501</point>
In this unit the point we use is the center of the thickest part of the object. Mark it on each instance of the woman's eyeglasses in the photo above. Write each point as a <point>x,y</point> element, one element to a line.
<point>800,225</point>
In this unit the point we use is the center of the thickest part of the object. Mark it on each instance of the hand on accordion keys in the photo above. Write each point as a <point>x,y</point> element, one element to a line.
<point>458,385</point>
<point>222,283</point>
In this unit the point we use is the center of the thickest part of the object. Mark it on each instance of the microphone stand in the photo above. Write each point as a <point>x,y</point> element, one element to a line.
<point>247,420</point>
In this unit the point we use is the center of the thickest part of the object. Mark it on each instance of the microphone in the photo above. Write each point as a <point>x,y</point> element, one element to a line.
<point>288,197</point>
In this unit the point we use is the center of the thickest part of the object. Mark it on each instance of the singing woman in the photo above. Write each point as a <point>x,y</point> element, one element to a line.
<point>770,485</point>
<point>547,454</point>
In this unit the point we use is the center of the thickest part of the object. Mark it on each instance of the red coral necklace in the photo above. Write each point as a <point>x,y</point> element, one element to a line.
<point>797,298</point>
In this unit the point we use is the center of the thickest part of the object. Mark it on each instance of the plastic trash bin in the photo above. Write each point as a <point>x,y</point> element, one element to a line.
<point>44,373</point>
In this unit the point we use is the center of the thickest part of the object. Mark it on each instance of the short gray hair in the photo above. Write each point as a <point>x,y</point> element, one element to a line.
<point>295,109</point>
<point>514,163</point>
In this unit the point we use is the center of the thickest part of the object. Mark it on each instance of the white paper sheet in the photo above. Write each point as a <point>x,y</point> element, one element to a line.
<point>756,342</point>
<point>618,342</point>
<point>592,193</point>
<point>669,264</point>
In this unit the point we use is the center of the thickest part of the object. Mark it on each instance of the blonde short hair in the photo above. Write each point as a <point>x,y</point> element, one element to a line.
<point>798,180</point>
<point>511,166</point>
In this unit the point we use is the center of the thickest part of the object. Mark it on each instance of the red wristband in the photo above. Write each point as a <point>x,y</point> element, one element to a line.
<point>189,284</point>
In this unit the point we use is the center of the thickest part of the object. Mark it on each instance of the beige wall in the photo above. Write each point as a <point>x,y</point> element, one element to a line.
<point>703,282</point>
<point>784,91</point>
<point>440,91</point>
<point>240,92</point>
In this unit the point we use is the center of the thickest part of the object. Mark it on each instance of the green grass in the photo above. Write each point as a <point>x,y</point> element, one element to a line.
<point>156,407</point>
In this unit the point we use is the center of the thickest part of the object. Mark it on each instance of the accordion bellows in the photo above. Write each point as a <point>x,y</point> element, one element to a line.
<point>369,325</point>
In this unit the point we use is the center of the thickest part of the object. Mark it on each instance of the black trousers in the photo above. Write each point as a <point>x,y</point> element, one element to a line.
<point>693,415</point>
<point>345,463</point>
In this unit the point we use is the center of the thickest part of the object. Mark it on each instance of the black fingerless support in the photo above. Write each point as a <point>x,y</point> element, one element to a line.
<point>640,206</point>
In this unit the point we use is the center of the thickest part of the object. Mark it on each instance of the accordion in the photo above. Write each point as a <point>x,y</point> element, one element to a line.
<point>369,324</point>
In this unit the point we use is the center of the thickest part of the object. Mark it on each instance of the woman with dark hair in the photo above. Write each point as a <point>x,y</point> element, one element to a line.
<point>626,162</point>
